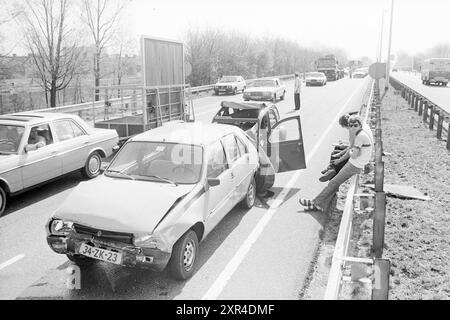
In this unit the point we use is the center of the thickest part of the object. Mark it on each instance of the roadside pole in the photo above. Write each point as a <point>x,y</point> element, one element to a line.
<point>388,63</point>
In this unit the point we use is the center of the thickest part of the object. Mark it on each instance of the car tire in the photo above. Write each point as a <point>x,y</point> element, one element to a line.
<point>184,254</point>
<point>249,201</point>
<point>3,199</point>
<point>81,260</point>
<point>92,167</point>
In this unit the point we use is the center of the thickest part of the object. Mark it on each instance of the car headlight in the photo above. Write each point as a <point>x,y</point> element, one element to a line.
<point>151,242</point>
<point>61,227</point>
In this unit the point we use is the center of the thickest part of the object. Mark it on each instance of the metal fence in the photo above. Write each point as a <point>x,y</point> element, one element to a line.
<point>432,114</point>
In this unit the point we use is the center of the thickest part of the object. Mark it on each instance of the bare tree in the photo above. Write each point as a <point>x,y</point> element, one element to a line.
<point>47,36</point>
<point>102,20</point>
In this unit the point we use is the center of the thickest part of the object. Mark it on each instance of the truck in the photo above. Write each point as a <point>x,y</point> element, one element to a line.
<point>328,65</point>
<point>162,97</point>
<point>435,70</point>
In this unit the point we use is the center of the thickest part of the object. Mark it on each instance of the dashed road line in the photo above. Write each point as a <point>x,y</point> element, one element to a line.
<point>11,261</point>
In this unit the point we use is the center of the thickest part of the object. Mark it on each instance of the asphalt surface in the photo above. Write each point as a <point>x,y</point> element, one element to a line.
<point>262,253</point>
<point>439,95</point>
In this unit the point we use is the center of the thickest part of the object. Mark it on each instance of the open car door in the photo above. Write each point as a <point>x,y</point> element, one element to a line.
<point>285,145</point>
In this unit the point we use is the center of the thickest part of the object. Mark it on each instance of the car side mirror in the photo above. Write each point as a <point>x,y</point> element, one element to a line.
<point>213,182</point>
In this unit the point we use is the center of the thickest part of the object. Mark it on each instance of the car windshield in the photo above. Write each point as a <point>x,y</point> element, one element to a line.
<point>228,79</point>
<point>10,137</point>
<point>264,83</point>
<point>158,161</point>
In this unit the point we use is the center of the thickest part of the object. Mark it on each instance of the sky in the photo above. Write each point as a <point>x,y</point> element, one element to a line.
<point>354,25</point>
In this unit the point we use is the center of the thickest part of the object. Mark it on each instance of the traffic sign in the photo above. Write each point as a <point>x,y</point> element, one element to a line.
<point>377,70</point>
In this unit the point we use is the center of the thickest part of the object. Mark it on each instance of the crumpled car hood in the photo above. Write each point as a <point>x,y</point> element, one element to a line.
<point>119,204</point>
<point>260,89</point>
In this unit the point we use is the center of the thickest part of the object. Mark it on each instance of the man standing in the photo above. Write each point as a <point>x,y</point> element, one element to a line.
<point>297,90</point>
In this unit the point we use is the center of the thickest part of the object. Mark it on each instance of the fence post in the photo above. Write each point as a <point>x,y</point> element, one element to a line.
<point>416,105</point>
<point>448,136</point>
<point>378,224</point>
<point>425,111</point>
<point>413,99</point>
<point>422,102</point>
<point>439,125</point>
<point>431,117</point>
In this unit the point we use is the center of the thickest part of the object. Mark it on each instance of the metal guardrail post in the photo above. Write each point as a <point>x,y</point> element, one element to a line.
<point>379,176</point>
<point>416,105</point>
<point>422,103</point>
<point>425,111</point>
<point>432,107</point>
<point>439,125</point>
<point>448,136</point>
<point>380,289</point>
<point>379,224</point>
<point>413,99</point>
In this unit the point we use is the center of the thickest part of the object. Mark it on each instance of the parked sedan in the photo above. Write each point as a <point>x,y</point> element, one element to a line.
<point>315,78</point>
<point>266,90</point>
<point>39,147</point>
<point>163,192</point>
<point>230,84</point>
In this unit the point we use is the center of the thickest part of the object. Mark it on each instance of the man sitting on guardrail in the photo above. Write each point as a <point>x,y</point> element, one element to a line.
<point>339,155</point>
<point>359,153</point>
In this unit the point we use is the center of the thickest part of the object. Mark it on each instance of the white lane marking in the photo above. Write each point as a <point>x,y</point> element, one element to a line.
<point>11,261</point>
<point>216,289</point>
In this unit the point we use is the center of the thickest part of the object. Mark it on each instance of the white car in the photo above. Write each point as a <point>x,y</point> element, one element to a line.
<point>315,78</point>
<point>38,147</point>
<point>230,84</point>
<point>265,89</point>
<point>163,192</point>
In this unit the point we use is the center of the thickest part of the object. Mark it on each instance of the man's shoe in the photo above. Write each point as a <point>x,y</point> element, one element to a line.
<point>327,169</point>
<point>328,175</point>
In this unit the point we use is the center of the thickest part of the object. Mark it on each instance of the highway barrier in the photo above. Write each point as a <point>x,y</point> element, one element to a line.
<point>432,114</point>
<point>379,268</point>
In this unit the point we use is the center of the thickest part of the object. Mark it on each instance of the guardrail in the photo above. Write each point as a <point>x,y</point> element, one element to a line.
<point>379,277</point>
<point>80,108</point>
<point>431,113</point>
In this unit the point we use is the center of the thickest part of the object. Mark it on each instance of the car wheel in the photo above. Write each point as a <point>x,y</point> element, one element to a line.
<point>184,254</point>
<point>81,260</point>
<point>92,166</point>
<point>249,201</point>
<point>2,201</point>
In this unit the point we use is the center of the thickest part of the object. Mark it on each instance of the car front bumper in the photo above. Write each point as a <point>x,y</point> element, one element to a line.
<point>132,256</point>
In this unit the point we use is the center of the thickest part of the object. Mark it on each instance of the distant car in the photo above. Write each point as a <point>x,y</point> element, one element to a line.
<point>394,70</point>
<point>230,84</point>
<point>265,89</point>
<point>315,78</point>
<point>38,147</point>
<point>359,74</point>
<point>163,192</point>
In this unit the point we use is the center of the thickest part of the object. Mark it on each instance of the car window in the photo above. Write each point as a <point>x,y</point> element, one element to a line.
<point>66,129</point>
<point>217,162</point>
<point>272,118</point>
<point>231,148</point>
<point>242,147</point>
<point>40,134</point>
<point>10,138</point>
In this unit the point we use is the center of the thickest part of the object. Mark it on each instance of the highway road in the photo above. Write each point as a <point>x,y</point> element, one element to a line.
<point>263,253</point>
<point>439,95</point>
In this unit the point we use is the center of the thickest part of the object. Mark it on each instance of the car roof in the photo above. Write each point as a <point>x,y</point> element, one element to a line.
<point>31,118</point>
<point>243,105</point>
<point>194,133</point>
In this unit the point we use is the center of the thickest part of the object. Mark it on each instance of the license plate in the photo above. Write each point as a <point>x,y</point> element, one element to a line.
<point>100,254</point>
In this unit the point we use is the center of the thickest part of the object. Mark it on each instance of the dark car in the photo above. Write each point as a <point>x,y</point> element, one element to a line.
<point>259,120</point>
